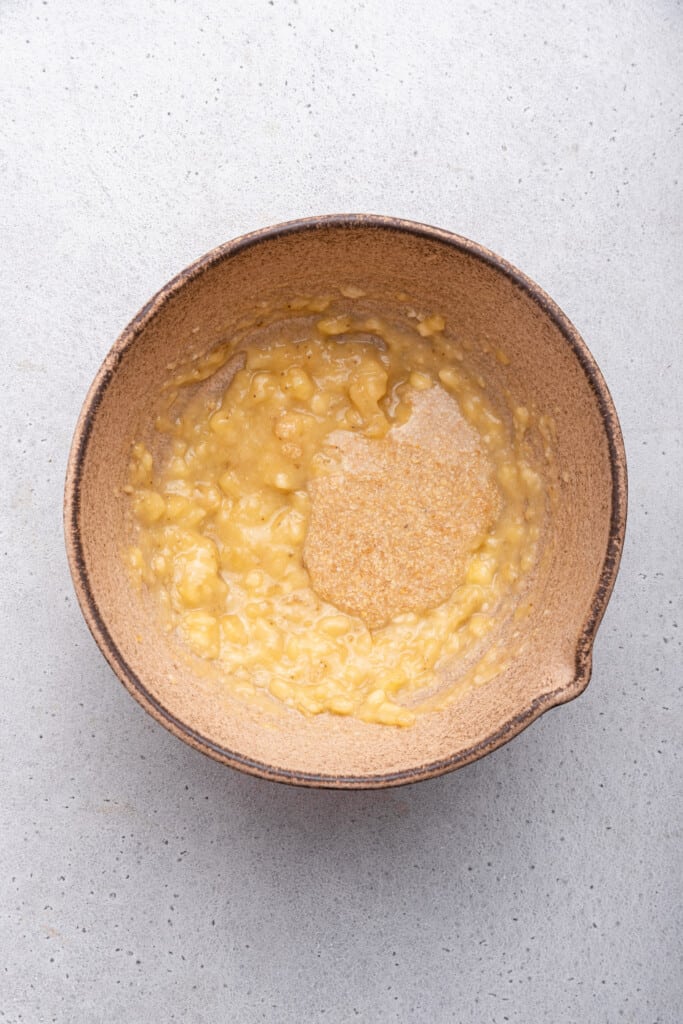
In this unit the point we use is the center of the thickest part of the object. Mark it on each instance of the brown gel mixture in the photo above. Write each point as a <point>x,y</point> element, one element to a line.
<point>393,527</point>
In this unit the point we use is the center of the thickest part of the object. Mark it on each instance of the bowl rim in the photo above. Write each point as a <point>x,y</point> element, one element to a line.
<point>521,719</point>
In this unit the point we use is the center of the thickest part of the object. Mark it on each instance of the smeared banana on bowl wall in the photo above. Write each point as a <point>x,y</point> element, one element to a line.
<point>339,516</point>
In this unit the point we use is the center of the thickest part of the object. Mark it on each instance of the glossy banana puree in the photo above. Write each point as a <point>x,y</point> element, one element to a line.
<point>339,517</point>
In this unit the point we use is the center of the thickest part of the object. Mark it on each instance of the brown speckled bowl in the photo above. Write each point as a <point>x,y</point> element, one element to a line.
<point>484,299</point>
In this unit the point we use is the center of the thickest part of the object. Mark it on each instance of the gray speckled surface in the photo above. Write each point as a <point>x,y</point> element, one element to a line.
<point>140,881</point>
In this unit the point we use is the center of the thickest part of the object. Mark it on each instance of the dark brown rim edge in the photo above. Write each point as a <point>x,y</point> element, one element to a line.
<point>601,596</point>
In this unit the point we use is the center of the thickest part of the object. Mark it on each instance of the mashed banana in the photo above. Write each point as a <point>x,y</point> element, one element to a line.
<point>340,519</point>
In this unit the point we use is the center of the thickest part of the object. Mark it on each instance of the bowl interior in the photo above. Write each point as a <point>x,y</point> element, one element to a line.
<point>486,304</point>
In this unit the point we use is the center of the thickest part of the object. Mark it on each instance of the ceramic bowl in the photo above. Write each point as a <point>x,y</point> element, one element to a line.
<point>485,299</point>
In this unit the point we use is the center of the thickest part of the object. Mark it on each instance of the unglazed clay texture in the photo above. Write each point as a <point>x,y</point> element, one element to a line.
<point>517,343</point>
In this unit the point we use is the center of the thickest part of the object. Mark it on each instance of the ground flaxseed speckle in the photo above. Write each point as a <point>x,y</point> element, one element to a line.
<point>393,525</point>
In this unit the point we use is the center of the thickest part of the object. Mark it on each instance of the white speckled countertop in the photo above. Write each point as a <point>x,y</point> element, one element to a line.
<point>142,882</point>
